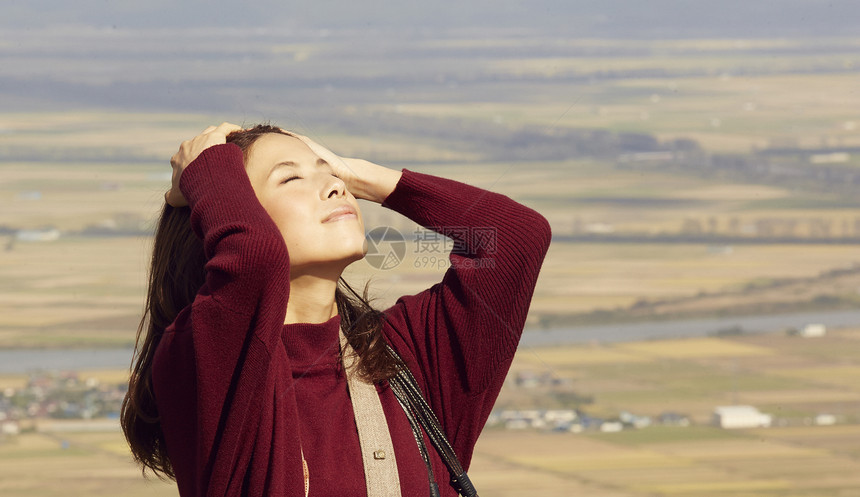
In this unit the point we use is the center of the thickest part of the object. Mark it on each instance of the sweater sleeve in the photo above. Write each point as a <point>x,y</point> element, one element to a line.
<point>221,376</point>
<point>461,334</point>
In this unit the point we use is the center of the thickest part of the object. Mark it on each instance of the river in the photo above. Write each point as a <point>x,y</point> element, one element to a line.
<point>16,361</point>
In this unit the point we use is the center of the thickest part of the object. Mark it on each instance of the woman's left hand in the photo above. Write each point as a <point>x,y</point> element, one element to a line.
<point>344,168</point>
<point>364,179</point>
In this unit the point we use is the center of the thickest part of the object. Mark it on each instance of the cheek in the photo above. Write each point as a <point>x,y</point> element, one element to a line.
<point>291,218</point>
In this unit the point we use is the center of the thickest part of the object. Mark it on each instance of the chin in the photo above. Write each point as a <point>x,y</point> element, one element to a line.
<point>356,258</point>
<point>356,254</point>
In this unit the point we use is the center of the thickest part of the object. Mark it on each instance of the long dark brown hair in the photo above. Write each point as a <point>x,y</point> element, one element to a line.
<point>176,274</point>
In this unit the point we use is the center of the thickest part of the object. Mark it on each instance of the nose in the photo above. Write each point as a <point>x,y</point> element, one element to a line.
<point>335,187</point>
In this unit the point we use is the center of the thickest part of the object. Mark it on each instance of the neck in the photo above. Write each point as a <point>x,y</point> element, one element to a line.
<point>311,298</point>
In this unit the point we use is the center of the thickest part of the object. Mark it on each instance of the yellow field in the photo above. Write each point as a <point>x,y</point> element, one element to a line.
<point>601,468</point>
<point>15,381</point>
<point>90,290</point>
<point>107,376</point>
<point>698,348</point>
<point>833,375</point>
<point>567,355</point>
<point>38,465</point>
<point>649,377</point>
<point>72,291</point>
<point>720,111</point>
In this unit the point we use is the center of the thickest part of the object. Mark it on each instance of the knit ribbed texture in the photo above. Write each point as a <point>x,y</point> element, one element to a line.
<point>220,359</point>
<point>240,394</point>
<point>470,324</point>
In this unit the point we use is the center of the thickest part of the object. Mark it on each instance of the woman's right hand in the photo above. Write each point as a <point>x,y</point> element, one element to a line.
<point>190,150</point>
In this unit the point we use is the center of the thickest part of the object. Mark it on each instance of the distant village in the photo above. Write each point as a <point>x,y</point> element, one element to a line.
<point>53,396</point>
<point>577,420</point>
<point>50,396</point>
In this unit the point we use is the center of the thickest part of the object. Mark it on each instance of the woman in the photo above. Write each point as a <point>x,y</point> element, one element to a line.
<point>239,386</point>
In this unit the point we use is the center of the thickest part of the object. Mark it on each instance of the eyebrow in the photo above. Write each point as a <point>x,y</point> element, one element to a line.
<point>289,163</point>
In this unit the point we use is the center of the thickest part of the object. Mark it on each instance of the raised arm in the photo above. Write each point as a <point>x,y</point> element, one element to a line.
<point>221,376</point>
<point>460,335</point>
<point>464,330</point>
<point>499,248</point>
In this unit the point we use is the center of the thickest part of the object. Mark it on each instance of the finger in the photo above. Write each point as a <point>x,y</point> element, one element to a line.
<point>307,141</point>
<point>208,130</point>
<point>228,128</point>
<point>320,150</point>
<point>316,147</point>
<point>303,138</point>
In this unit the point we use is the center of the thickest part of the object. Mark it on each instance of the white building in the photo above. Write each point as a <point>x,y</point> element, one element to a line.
<point>611,426</point>
<point>38,235</point>
<point>825,420</point>
<point>741,417</point>
<point>813,330</point>
<point>534,418</point>
<point>9,428</point>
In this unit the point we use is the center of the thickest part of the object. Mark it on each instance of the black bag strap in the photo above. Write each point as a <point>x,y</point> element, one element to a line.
<point>407,391</point>
<point>419,437</point>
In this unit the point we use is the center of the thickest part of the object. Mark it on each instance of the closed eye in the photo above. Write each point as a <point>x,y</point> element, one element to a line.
<point>287,180</point>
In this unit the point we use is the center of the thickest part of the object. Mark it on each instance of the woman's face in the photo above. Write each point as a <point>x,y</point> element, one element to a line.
<point>318,218</point>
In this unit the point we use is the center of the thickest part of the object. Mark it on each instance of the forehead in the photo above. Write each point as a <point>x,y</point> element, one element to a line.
<point>273,148</point>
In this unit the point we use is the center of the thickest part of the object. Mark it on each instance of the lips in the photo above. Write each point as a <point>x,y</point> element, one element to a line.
<point>342,212</point>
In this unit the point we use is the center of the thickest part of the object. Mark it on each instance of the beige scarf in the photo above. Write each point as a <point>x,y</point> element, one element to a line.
<point>377,451</point>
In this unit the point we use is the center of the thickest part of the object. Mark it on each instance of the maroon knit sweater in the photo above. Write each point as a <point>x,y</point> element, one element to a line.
<point>241,395</point>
